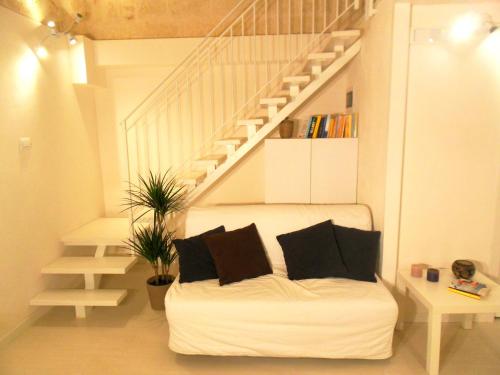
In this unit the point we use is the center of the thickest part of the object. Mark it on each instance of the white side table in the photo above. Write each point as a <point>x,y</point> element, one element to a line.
<point>438,300</point>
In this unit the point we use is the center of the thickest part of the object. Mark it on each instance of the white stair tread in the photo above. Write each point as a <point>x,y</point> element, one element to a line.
<point>79,297</point>
<point>297,79</point>
<point>322,56</point>
<point>346,34</point>
<point>80,265</point>
<point>231,141</point>
<point>211,159</point>
<point>273,101</point>
<point>102,231</point>
<point>192,177</point>
<point>251,121</point>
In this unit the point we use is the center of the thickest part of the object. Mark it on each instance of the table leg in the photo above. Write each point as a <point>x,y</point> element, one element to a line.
<point>467,321</point>
<point>400,325</point>
<point>433,342</point>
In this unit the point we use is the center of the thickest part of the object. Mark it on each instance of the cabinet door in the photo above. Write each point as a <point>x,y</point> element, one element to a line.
<point>288,170</point>
<point>334,170</point>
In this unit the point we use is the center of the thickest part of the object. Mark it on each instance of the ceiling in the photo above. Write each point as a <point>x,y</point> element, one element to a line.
<point>128,19</point>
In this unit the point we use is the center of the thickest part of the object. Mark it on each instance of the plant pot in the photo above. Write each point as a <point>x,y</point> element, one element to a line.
<point>286,129</point>
<point>157,292</point>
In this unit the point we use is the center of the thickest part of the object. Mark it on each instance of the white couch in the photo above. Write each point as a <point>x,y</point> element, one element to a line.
<point>272,315</point>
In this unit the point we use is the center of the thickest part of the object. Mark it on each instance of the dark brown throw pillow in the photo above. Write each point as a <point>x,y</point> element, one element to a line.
<point>238,254</point>
<point>312,253</point>
<point>359,250</point>
<point>195,261</point>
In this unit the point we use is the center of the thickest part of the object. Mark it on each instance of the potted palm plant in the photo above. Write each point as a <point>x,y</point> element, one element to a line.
<point>160,195</point>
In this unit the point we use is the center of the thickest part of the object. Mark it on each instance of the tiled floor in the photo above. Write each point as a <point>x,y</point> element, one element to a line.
<point>132,339</point>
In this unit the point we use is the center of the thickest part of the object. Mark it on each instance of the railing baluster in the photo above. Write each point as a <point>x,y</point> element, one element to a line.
<point>200,91</point>
<point>158,153</point>
<point>212,90</point>
<point>301,12</point>
<point>223,91</point>
<point>278,33</point>
<point>255,61</point>
<point>313,17</point>
<point>180,125</point>
<point>190,113</point>
<point>324,14</point>
<point>244,64</point>
<point>289,30</point>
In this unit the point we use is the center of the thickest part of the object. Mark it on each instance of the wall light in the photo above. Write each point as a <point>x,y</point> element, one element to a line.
<point>51,24</point>
<point>41,52</point>
<point>465,27</point>
<point>72,40</point>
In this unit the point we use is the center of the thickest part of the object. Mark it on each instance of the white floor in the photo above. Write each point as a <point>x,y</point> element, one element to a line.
<point>132,339</point>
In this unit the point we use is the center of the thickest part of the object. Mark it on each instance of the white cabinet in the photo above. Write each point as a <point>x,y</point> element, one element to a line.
<point>311,170</point>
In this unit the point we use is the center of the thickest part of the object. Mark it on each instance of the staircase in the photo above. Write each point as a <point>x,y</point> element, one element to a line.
<point>257,67</point>
<point>101,233</point>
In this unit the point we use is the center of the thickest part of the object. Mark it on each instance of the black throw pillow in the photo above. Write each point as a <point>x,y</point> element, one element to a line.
<point>312,253</point>
<point>238,254</point>
<point>359,250</point>
<point>195,261</point>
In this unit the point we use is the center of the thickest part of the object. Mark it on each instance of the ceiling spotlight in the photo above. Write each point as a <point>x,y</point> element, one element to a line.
<point>41,52</point>
<point>51,24</point>
<point>72,40</point>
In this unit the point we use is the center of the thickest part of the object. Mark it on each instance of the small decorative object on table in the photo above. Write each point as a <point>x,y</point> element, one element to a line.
<point>463,269</point>
<point>286,128</point>
<point>417,270</point>
<point>468,288</point>
<point>433,275</point>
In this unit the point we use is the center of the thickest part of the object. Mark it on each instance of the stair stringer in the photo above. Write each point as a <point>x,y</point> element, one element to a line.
<point>286,111</point>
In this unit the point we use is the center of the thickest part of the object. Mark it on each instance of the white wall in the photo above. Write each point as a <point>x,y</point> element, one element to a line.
<point>56,186</point>
<point>451,179</point>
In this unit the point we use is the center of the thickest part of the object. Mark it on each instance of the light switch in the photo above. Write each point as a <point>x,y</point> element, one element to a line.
<point>24,144</point>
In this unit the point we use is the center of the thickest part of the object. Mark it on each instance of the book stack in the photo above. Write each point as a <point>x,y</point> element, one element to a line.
<point>468,288</point>
<point>332,126</point>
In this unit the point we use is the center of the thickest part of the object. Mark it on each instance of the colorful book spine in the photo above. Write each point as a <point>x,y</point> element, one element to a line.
<point>316,127</point>
<point>326,127</point>
<point>308,129</point>
<point>314,119</point>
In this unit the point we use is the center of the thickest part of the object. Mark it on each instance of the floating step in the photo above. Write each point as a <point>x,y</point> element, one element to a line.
<point>322,56</point>
<point>274,101</point>
<point>215,159</point>
<point>79,297</point>
<point>346,34</point>
<point>90,265</point>
<point>210,162</point>
<point>252,121</point>
<point>230,141</point>
<point>192,178</point>
<point>231,144</point>
<point>300,79</point>
<point>103,231</point>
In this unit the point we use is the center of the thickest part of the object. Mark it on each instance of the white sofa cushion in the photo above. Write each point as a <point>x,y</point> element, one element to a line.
<point>272,220</point>
<point>276,317</point>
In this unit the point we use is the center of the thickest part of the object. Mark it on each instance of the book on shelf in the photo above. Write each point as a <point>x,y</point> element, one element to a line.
<point>337,125</point>
<point>468,288</point>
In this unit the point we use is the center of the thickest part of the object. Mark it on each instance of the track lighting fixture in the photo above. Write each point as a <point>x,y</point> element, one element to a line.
<point>41,51</point>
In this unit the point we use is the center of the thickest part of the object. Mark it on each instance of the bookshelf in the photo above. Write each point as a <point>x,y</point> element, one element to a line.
<point>304,170</point>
